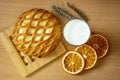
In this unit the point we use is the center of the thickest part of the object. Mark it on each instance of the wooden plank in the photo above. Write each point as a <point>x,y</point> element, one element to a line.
<point>24,63</point>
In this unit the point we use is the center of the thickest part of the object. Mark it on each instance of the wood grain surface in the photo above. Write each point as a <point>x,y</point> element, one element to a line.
<point>103,17</point>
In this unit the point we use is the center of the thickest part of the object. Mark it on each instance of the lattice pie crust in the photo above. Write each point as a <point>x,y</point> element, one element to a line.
<point>37,32</point>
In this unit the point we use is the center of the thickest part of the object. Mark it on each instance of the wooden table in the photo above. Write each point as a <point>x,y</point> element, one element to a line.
<point>103,17</point>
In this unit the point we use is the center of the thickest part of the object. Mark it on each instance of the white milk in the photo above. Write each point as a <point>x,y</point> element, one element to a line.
<point>76,32</point>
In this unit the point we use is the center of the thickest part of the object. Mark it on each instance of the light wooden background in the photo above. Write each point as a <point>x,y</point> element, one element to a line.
<point>104,17</point>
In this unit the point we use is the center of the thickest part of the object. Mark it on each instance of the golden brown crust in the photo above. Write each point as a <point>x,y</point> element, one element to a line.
<point>37,32</point>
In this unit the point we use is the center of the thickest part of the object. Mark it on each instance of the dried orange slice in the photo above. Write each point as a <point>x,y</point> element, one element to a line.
<point>73,62</point>
<point>99,43</point>
<point>89,55</point>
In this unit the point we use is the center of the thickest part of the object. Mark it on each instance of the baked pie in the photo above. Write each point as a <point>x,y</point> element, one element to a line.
<point>37,32</point>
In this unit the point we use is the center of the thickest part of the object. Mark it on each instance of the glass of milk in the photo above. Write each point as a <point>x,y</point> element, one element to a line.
<point>76,32</point>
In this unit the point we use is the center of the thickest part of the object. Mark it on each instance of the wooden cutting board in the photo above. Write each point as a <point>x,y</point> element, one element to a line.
<point>25,64</point>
